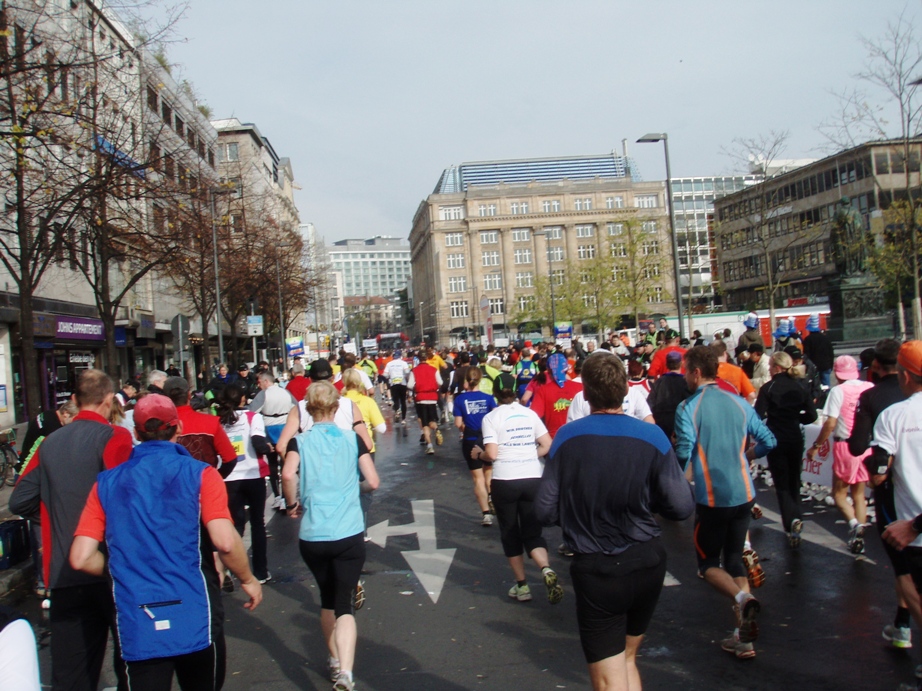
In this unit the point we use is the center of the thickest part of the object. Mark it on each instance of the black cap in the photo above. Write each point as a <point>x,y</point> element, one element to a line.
<point>504,382</point>
<point>242,367</point>
<point>178,384</point>
<point>795,352</point>
<point>320,370</point>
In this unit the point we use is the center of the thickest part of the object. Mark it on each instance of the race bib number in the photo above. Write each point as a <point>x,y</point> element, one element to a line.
<point>239,447</point>
<point>397,380</point>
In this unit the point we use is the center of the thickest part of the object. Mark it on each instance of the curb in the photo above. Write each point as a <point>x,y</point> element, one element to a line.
<point>15,577</point>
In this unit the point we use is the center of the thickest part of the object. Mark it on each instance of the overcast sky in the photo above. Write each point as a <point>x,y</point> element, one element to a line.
<point>372,99</point>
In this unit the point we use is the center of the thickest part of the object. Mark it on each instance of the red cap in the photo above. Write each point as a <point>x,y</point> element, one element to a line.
<point>155,407</point>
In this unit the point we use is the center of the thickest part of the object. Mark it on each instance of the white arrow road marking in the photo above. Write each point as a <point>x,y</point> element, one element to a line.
<point>429,563</point>
<point>670,580</point>
<point>815,533</point>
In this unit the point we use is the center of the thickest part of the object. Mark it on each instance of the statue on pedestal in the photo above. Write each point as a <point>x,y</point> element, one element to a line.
<point>849,240</point>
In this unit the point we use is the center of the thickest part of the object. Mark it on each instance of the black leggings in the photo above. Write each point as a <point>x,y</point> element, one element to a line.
<point>252,493</point>
<point>200,671</point>
<point>515,510</point>
<point>337,566</point>
<point>785,462</point>
<point>616,596</point>
<point>399,396</point>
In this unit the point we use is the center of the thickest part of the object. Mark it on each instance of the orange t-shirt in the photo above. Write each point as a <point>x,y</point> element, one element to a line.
<point>736,376</point>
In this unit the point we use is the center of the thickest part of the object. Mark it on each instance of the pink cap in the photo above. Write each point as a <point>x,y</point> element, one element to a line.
<point>845,368</point>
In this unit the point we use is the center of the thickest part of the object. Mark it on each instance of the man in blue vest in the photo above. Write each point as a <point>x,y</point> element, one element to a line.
<point>524,371</point>
<point>149,511</point>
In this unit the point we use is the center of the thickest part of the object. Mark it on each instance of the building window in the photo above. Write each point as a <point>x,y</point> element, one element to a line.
<point>458,309</point>
<point>619,273</point>
<point>588,300</point>
<point>586,251</point>
<point>651,248</point>
<point>554,233</point>
<point>645,201</point>
<point>493,282</point>
<point>166,113</point>
<point>228,152</point>
<point>497,305</point>
<point>521,235</point>
<point>489,237</point>
<point>491,258</point>
<point>526,303</point>
<point>651,272</point>
<point>524,279</point>
<point>454,239</point>
<point>614,202</point>
<point>523,256</point>
<point>615,228</point>
<point>457,284</point>
<point>585,231</point>
<point>455,261</point>
<point>550,205</point>
<point>585,277</point>
<point>557,276</point>
<point>655,295</point>
<point>648,226</point>
<point>618,249</point>
<point>555,254</point>
<point>518,208</point>
<point>152,99</point>
<point>583,204</point>
<point>486,210</point>
<point>450,213</point>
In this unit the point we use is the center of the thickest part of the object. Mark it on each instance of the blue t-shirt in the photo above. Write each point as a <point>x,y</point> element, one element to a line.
<point>471,407</point>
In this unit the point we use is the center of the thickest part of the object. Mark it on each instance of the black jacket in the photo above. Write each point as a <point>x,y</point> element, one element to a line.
<point>785,406</point>
<point>818,348</point>
<point>665,395</point>
<point>871,404</point>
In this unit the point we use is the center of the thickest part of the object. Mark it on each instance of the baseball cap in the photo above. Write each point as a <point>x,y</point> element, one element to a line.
<point>846,367</point>
<point>243,367</point>
<point>175,385</point>
<point>673,356</point>
<point>156,407</point>
<point>504,382</point>
<point>910,357</point>
<point>320,370</point>
<point>794,352</point>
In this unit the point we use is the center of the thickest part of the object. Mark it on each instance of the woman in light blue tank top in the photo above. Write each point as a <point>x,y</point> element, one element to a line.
<point>322,466</point>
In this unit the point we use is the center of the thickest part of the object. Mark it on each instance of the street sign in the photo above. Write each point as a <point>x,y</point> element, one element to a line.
<point>254,325</point>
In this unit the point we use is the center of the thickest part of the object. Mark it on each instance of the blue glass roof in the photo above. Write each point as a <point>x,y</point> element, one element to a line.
<point>458,178</point>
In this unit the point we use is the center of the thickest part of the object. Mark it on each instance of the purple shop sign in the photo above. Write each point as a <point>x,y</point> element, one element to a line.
<point>80,329</point>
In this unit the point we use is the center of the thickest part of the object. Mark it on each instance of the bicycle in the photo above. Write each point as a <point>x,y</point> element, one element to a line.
<point>9,459</point>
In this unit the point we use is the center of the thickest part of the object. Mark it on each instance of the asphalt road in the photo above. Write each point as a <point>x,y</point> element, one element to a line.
<point>823,609</point>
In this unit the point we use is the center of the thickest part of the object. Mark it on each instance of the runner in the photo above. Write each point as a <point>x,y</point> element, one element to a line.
<point>849,473</point>
<point>514,440</point>
<point>620,563</point>
<point>470,408</point>
<point>712,429</point>
<point>425,382</point>
<point>397,372</point>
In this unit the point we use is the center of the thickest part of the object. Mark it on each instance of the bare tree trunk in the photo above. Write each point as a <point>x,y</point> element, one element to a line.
<point>29,361</point>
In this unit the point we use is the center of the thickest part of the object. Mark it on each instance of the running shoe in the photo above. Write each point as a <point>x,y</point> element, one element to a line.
<point>490,502</point>
<point>430,450</point>
<point>422,438</point>
<point>522,593</point>
<point>754,572</point>
<point>856,539</point>
<point>554,589</point>
<point>263,581</point>
<point>343,683</point>
<point>438,437</point>
<point>564,550</point>
<point>733,644</point>
<point>487,520</point>
<point>756,512</point>
<point>358,600</point>
<point>748,611</point>
<point>333,665</point>
<point>898,636</point>
<point>797,527</point>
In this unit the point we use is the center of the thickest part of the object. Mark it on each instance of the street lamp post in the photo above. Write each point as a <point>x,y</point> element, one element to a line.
<point>217,278</point>
<point>278,278</point>
<point>663,137</point>
<point>550,274</point>
<point>422,329</point>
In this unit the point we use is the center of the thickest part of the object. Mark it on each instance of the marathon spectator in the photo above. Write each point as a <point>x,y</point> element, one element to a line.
<point>127,393</point>
<point>785,406</point>
<point>56,485</point>
<point>323,466</point>
<point>758,364</point>
<point>619,563</point>
<point>712,432</point>
<point>751,335</point>
<point>155,381</point>
<point>818,348</point>
<point>514,439</point>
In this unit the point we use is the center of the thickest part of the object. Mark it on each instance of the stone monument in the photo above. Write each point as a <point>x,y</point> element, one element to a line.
<point>856,300</point>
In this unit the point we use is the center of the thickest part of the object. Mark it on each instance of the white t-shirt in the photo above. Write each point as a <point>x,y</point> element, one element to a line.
<point>397,372</point>
<point>833,406</point>
<point>343,419</point>
<point>366,381</point>
<point>634,405</point>
<point>514,429</point>
<point>898,431</point>
<point>18,659</point>
<point>240,434</point>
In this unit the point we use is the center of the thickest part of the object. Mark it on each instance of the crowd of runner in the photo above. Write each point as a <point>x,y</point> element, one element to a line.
<point>140,496</point>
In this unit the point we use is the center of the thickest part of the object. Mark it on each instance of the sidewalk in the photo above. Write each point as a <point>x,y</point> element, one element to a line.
<point>21,573</point>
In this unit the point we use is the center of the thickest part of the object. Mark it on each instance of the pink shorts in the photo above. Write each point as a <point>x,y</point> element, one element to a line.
<point>850,469</point>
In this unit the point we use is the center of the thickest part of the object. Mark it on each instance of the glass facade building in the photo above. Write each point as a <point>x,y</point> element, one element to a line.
<point>378,266</point>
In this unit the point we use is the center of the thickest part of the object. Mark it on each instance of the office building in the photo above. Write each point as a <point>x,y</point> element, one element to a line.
<point>379,266</point>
